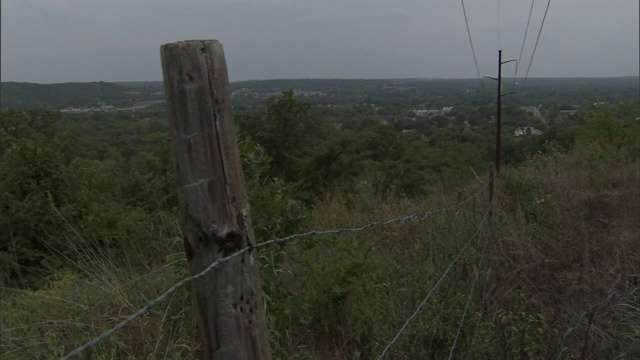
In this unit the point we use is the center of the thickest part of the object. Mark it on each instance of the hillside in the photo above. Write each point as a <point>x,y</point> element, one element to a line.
<point>559,281</point>
<point>90,229</point>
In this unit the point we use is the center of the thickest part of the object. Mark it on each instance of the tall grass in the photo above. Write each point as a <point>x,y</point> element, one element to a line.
<point>560,280</point>
<point>97,291</point>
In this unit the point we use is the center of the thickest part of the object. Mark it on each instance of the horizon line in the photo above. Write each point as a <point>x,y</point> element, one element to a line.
<point>329,79</point>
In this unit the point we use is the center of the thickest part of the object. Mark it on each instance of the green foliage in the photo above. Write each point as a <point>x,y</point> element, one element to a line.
<point>275,214</point>
<point>38,175</point>
<point>58,198</point>
<point>88,218</point>
<point>275,211</point>
<point>288,133</point>
<point>611,132</point>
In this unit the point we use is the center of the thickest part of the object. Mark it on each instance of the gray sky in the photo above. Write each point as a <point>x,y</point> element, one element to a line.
<point>48,41</point>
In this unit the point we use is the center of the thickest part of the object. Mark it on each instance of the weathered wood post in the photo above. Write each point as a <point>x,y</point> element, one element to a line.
<point>215,212</point>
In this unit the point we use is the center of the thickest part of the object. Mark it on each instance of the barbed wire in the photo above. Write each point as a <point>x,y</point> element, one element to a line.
<point>227,259</point>
<point>151,304</point>
<point>485,249</point>
<point>440,281</point>
<point>400,219</point>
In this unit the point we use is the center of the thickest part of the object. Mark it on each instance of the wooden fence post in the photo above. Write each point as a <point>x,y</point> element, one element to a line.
<point>214,207</point>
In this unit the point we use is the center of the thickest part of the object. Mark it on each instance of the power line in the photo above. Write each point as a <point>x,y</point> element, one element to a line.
<point>225,260</point>
<point>471,42</point>
<point>423,304</point>
<point>535,46</point>
<point>526,30</point>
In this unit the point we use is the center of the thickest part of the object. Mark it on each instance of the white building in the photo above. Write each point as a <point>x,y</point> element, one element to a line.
<point>527,130</point>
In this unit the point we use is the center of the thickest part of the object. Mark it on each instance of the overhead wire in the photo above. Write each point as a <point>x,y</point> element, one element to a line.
<point>526,30</point>
<point>473,52</point>
<point>535,46</point>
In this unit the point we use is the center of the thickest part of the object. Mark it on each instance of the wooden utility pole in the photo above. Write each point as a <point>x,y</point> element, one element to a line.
<point>214,207</point>
<point>499,112</point>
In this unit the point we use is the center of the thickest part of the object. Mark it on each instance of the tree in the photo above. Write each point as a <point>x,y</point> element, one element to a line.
<point>289,134</point>
<point>37,187</point>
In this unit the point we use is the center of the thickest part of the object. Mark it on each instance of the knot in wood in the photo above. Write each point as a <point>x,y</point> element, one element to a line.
<point>229,243</point>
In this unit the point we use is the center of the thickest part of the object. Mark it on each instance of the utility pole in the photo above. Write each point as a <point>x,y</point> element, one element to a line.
<point>499,110</point>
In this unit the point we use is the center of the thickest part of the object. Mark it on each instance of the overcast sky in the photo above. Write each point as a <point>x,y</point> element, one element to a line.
<point>49,41</point>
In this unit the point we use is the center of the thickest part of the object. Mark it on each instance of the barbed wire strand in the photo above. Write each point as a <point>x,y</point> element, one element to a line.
<point>423,304</point>
<point>151,304</point>
<point>483,267</point>
<point>471,293</point>
<point>227,259</point>
<point>483,258</point>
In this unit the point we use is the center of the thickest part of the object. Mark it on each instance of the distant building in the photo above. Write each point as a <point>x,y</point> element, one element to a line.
<point>526,131</point>
<point>430,112</point>
<point>535,110</point>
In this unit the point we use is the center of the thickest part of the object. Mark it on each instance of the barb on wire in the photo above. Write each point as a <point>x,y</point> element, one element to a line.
<point>225,260</point>
<point>421,307</point>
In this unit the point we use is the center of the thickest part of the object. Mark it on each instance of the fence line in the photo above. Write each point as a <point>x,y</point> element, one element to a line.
<point>471,293</point>
<point>225,260</point>
<point>423,304</point>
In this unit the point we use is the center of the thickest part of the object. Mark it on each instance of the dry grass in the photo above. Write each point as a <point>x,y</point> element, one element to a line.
<point>569,241</point>
<point>358,289</point>
<point>78,305</point>
<point>561,281</point>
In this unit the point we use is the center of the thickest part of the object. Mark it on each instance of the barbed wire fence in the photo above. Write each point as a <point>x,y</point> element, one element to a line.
<point>387,351</point>
<point>483,257</point>
<point>398,220</point>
